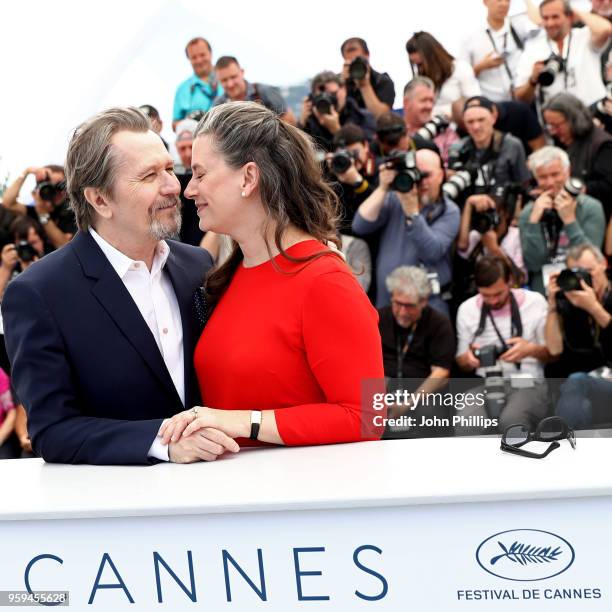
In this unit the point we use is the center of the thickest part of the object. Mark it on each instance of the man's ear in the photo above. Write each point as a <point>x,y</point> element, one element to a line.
<point>250,178</point>
<point>99,202</point>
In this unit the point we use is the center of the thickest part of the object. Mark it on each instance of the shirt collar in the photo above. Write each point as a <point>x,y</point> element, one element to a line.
<point>121,263</point>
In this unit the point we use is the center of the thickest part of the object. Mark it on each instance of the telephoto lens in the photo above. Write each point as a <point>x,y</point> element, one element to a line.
<point>553,66</point>
<point>573,186</point>
<point>358,69</point>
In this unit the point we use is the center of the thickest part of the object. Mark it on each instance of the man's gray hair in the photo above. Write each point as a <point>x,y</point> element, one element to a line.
<point>547,155</point>
<point>92,161</point>
<point>575,112</point>
<point>409,280</point>
<point>576,252</point>
<point>422,81</point>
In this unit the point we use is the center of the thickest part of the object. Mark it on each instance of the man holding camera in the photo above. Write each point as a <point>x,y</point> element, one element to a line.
<point>371,90</point>
<point>499,156</point>
<point>419,99</point>
<point>50,207</point>
<point>579,332</point>
<point>495,50</point>
<point>501,336</point>
<point>562,57</point>
<point>328,108</point>
<point>560,217</point>
<point>418,222</point>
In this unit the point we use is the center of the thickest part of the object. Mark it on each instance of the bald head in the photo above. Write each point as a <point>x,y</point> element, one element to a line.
<point>430,164</point>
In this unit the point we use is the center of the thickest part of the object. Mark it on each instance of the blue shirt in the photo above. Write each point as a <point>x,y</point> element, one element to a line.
<point>195,94</point>
<point>419,244</point>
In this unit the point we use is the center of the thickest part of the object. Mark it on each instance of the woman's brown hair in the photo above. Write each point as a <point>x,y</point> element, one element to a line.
<point>437,61</point>
<point>291,184</point>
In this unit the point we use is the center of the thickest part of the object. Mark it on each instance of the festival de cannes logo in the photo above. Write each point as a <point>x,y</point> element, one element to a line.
<point>525,555</point>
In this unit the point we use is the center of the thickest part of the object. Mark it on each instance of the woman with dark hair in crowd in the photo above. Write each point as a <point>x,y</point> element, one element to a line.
<point>454,79</point>
<point>292,335</point>
<point>571,125</point>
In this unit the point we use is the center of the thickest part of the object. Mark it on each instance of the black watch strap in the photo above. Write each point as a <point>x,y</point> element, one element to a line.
<point>255,424</point>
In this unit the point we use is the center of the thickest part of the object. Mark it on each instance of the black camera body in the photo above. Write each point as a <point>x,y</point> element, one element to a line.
<point>358,69</point>
<point>569,279</point>
<point>342,160</point>
<point>408,175</point>
<point>48,190</point>
<point>553,66</point>
<point>324,102</point>
<point>434,127</point>
<point>573,186</point>
<point>25,251</point>
<point>482,222</point>
<point>489,354</point>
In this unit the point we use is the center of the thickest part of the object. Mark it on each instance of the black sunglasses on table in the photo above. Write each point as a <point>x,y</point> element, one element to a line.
<point>550,430</point>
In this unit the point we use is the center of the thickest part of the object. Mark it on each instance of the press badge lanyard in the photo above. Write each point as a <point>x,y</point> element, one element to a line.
<point>402,350</point>
<point>565,59</point>
<point>503,55</point>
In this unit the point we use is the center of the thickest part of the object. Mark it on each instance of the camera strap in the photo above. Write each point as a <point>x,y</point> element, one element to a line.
<point>516,323</point>
<point>402,350</point>
<point>503,55</point>
<point>565,59</point>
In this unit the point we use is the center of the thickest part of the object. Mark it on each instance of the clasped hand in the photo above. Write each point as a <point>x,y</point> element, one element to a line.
<point>203,437</point>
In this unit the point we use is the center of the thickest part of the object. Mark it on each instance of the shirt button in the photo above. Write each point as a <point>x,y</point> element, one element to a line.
<point>165,330</point>
<point>136,266</point>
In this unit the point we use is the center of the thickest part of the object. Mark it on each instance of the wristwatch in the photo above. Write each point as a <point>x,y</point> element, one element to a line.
<point>255,424</point>
<point>44,218</point>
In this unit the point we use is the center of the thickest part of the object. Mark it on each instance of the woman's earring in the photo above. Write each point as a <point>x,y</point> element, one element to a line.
<point>243,194</point>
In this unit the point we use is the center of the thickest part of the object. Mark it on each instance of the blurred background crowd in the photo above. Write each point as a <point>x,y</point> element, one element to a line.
<point>476,214</point>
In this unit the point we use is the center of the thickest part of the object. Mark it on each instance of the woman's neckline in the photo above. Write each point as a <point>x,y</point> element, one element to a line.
<point>287,250</point>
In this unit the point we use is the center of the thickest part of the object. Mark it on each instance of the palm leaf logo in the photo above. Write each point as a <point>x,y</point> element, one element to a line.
<point>525,554</point>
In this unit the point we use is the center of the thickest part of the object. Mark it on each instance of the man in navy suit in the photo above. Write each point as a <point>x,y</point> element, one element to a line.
<point>101,333</point>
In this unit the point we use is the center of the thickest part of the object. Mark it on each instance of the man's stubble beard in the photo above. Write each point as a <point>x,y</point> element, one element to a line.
<point>160,230</point>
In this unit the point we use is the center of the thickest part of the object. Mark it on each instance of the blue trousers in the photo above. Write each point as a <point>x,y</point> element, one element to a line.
<point>580,394</point>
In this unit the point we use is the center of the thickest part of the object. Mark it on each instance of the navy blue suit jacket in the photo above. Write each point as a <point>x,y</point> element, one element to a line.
<point>84,362</point>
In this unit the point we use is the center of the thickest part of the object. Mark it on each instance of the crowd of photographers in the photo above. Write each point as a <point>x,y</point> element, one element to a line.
<point>477,216</point>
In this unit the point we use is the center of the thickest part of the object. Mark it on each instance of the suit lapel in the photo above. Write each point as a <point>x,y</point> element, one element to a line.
<point>113,296</point>
<point>184,291</point>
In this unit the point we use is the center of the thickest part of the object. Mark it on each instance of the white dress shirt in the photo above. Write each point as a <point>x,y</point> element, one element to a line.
<point>582,76</point>
<point>495,83</point>
<point>154,296</point>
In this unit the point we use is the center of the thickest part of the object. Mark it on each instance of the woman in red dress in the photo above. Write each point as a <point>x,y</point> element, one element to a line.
<point>292,335</point>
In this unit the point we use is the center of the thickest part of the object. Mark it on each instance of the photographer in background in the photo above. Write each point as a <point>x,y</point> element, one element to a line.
<point>418,223</point>
<point>328,108</point>
<point>494,50</point>
<point>492,158</point>
<point>562,57</point>
<point>29,245</point>
<point>501,334</point>
<point>418,345</point>
<point>489,226</point>
<point>454,78</point>
<point>392,135</point>
<point>371,90</point>
<point>589,147</point>
<point>579,331</point>
<point>50,207</point>
<point>237,88</point>
<point>354,167</point>
<point>419,99</point>
<point>560,217</point>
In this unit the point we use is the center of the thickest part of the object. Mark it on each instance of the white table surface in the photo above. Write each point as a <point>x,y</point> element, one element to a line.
<point>389,473</point>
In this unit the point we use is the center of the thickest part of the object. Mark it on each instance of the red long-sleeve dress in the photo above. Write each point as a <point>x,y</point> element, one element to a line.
<point>299,343</point>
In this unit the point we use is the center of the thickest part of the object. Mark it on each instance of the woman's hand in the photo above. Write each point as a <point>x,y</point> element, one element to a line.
<point>233,423</point>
